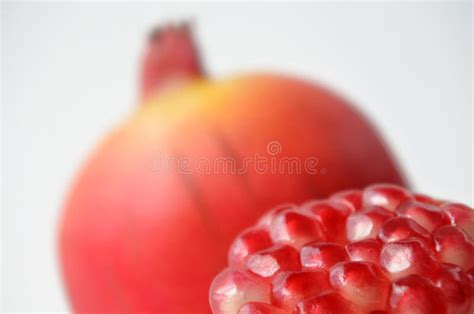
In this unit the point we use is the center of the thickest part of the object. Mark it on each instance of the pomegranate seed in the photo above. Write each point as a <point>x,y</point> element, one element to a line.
<point>296,229</point>
<point>470,276</point>
<point>367,250</point>
<point>260,308</point>
<point>352,198</point>
<point>385,195</point>
<point>321,255</point>
<point>402,258</point>
<point>326,303</point>
<point>427,200</point>
<point>428,216</point>
<point>399,228</point>
<point>363,283</point>
<point>266,221</point>
<point>461,216</point>
<point>248,242</point>
<point>416,295</point>
<point>366,224</point>
<point>316,205</point>
<point>289,288</point>
<point>453,246</point>
<point>232,288</point>
<point>455,286</point>
<point>269,262</point>
<point>332,216</point>
<point>379,251</point>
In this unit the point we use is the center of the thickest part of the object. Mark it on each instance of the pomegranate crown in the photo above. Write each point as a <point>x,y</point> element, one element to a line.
<point>170,55</point>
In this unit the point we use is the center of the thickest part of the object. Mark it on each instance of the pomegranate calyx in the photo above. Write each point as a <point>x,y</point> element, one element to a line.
<point>171,56</point>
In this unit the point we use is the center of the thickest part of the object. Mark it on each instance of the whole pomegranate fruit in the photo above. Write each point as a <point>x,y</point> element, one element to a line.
<point>148,220</point>
<point>380,250</point>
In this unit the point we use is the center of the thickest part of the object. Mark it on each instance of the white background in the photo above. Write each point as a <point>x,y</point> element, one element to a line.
<point>69,74</point>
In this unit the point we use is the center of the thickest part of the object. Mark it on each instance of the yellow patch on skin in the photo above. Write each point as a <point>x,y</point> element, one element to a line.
<point>176,105</point>
<point>197,100</point>
<point>199,95</point>
<point>178,102</point>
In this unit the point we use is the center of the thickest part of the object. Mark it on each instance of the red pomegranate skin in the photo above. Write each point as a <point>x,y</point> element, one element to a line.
<point>137,238</point>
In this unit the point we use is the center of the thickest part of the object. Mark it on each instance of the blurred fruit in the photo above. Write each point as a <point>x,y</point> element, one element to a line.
<point>149,218</point>
<point>401,268</point>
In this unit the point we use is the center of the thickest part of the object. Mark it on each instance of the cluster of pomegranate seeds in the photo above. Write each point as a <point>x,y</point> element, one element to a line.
<point>380,250</point>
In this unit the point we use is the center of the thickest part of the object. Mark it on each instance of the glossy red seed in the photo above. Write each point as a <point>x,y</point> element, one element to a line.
<point>453,246</point>
<point>316,205</point>
<point>233,288</point>
<point>406,257</point>
<point>366,224</point>
<point>296,229</point>
<point>269,262</point>
<point>289,288</point>
<point>248,242</point>
<point>461,216</point>
<point>352,198</point>
<point>367,250</point>
<point>266,220</point>
<point>470,276</point>
<point>385,195</point>
<point>400,228</point>
<point>416,295</point>
<point>428,216</point>
<point>455,286</point>
<point>470,279</point>
<point>354,265</point>
<point>329,302</point>
<point>260,308</point>
<point>332,216</point>
<point>427,200</point>
<point>324,255</point>
<point>363,283</point>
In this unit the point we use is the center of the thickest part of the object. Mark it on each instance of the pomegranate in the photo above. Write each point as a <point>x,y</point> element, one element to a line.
<point>149,218</point>
<point>394,264</point>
